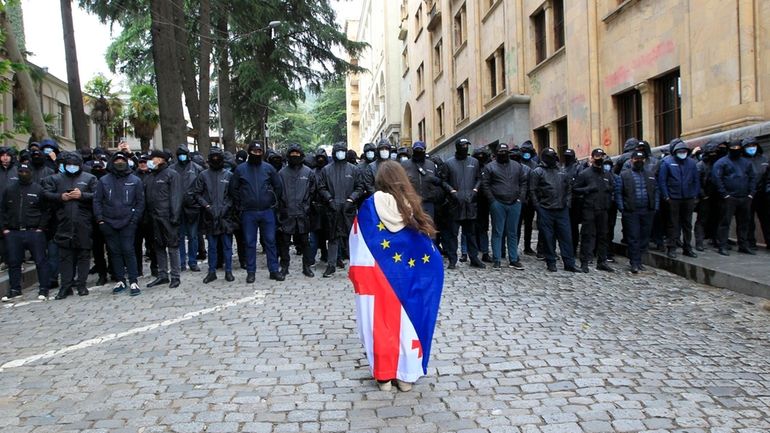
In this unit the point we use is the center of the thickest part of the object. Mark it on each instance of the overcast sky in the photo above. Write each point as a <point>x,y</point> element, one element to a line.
<point>42,24</point>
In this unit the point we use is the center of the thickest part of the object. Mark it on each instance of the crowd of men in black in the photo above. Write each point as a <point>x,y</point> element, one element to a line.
<point>65,207</point>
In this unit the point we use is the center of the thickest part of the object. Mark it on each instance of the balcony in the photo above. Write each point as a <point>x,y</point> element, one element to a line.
<point>434,15</point>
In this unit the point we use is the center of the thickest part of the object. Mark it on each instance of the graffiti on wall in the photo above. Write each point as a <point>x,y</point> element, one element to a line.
<point>623,73</point>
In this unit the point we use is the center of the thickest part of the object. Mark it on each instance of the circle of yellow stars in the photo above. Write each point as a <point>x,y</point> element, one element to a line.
<point>398,257</point>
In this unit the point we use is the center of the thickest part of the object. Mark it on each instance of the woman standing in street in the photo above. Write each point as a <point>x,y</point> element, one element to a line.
<point>398,276</point>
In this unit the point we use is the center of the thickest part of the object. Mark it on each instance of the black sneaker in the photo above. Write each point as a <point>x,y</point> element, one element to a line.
<point>671,254</point>
<point>330,270</point>
<point>250,277</point>
<point>229,277</point>
<point>516,265</point>
<point>284,271</point>
<point>174,283</point>
<point>158,282</point>
<point>135,290</point>
<point>83,291</point>
<point>277,276</point>
<point>747,251</point>
<point>690,253</point>
<point>723,252</point>
<point>119,287</point>
<point>195,268</point>
<point>463,258</point>
<point>572,268</point>
<point>306,271</point>
<point>584,268</point>
<point>485,258</point>
<point>496,265</point>
<point>476,263</point>
<point>452,266</point>
<point>540,256</point>
<point>529,251</point>
<point>551,267</point>
<point>634,269</point>
<point>602,266</point>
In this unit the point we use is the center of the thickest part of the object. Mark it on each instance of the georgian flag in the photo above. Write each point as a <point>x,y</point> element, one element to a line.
<point>398,278</point>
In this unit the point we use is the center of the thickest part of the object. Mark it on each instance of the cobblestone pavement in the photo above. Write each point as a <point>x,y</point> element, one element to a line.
<point>515,351</point>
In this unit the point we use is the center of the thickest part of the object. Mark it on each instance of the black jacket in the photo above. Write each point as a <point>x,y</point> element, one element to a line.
<point>163,194</point>
<point>188,173</point>
<point>550,188</point>
<point>8,175</point>
<point>255,187</point>
<point>40,173</point>
<point>368,175</point>
<point>74,216</point>
<point>596,187</point>
<point>339,182</point>
<point>299,188</point>
<point>211,191</point>
<point>506,183</point>
<point>626,201</point>
<point>426,179</point>
<point>23,207</point>
<point>119,199</point>
<point>464,176</point>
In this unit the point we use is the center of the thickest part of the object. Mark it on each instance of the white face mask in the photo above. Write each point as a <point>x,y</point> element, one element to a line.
<point>340,155</point>
<point>370,155</point>
<point>404,158</point>
<point>393,156</point>
<point>385,154</point>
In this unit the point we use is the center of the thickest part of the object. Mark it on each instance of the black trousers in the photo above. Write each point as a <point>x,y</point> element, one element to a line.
<point>593,234</point>
<point>680,220</point>
<point>240,243</point>
<point>101,255</point>
<point>574,222</point>
<point>741,209</point>
<point>75,263</point>
<point>19,242</point>
<point>527,218</point>
<point>760,209</point>
<point>469,230</point>
<point>707,222</point>
<point>144,239</point>
<point>302,243</point>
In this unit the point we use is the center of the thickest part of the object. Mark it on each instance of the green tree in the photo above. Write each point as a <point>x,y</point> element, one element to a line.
<point>107,108</point>
<point>329,113</point>
<point>143,113</point>
<point>292,124</point>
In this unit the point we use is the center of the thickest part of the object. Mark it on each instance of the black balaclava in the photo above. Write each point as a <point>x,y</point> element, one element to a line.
<point>241,156</point>
<point>482,155</point>
<point>321,158</point>
<point>352,157</point>
<point>37,158</point>
<point>515,153</point>
<point>25,174</point>
<point>735,150</point>
<point>569,157</point>
<point>462,147</point>
<point>275,160</point>
<point>296,160</point>
<point>549,157</point>
<point>722,149</point>
<point>255,159</point>
<point>503,155</point>
<point>418,152</point>
<point>216,159</point>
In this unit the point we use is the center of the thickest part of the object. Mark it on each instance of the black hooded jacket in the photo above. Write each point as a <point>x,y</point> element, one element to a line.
<point>188,172</point>
<point>119,198</point>
<point>550,187</point>
<point>163,194</point>
<point>23,207</point>
<point>464,176</point>
<point>73,216</point>
<point>597,188</point>
<point>340,188</point>
<point>295,202</point>
<point>10,173</point>
<point>211,191</point>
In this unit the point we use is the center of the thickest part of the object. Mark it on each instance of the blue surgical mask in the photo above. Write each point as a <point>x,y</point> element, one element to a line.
<point>607,168</point>
<point>71,169</point>
<point>393,156</point>
<point>681,155</point>
<point>182,158</point>
<point>751,150</point>
<point>151,164</point>
<point>340,155</point>
<point>385,154</point>
<point>526,155</point>
<point>47,150</point>
<point>370,154</point>
<point>61,168</point>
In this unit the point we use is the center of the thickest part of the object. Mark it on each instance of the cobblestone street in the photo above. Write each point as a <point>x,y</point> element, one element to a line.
<point>514,351</point>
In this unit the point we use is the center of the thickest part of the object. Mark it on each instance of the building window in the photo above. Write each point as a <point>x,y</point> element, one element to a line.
<point>420,79</point>
<point>61,113</point>
<point>405,61</point>
<point>538,24</point>
<point>440,120</point>
<point>438,53</point>
<point>462,102</point>
<point>496,72</point>
<point>418,22</point>
<point>421,130</point>
<point>558,23</point>
<point>668,116</point>
<point>460,30</point>
<point>629,115</point>
<point>542,136</point>
<point>562,136</point>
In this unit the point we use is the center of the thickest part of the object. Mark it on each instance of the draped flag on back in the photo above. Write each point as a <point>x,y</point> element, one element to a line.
<point>398,279</point>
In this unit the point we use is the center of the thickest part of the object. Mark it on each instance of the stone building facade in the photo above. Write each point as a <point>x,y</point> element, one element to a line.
<point>583,74</point>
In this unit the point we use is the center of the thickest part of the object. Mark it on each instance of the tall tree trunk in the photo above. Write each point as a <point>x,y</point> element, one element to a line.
<point>226,116</point>
<point>186,62</point>
<point>167,75</point>
<point>204,65</point>
<point>39,131</point>
<point>79,123</point>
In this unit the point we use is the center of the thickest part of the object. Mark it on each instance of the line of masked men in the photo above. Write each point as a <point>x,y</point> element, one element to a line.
<point>63,207</point>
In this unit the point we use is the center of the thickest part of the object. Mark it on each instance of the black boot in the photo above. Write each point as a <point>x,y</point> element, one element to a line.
<point>211,276</point>
<point>277,276</point>
<point>158,282</point>
<point>306,271</point>
<point>174,283</point>
<point>250,277</point>
<point>330,270</point>
<point>82,291</point>
<point>229,277</point>
<point>63,293</point>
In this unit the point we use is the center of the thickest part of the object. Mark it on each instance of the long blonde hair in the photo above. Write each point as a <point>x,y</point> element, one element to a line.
<point>392,179</point>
